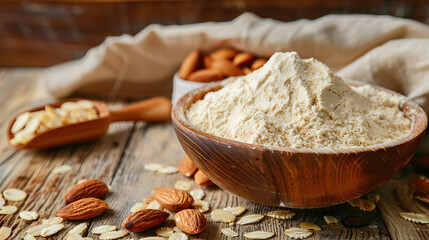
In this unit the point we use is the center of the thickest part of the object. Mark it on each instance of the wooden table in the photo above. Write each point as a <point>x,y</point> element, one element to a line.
<point>118,160</point>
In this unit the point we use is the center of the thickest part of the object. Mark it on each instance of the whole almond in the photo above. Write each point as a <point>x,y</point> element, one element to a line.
<point>173,199</point>
<point>207,61</point>
<point>89,188</point>
<point>243,59</point>
<point>82,209</point>
<point>246,70</point>
<point>190,64</point>
<point>226,67</point>
<point>206,75</point>
<point>187,167</point>
<point>201,179</point>
<point>258,63</point>
<point>190,221</point>
<point>224,53</point>
<point>144,219</point>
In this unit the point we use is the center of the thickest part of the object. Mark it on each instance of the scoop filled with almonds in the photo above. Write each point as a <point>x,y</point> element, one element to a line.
<point>78,120</point>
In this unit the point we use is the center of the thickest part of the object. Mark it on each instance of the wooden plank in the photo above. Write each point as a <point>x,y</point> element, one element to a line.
<point>119,158</point>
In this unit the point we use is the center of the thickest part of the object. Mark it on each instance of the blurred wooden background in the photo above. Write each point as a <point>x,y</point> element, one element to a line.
<point>42,33</point>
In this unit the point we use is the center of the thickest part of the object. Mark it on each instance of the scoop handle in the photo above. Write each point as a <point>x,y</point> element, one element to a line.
<point>156,109</point>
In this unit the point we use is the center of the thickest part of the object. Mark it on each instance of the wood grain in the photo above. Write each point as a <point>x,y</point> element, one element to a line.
<point>118,159</point>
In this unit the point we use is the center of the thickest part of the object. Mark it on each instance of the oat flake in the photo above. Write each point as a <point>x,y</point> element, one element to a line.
<point>253,218</point>
<point>219,215</point>
<point>113,235</point>
<point>415,217</point>
<point>51,230</point>
<point>13,194</point>
<point>197,194</point>
<point>236,211</point>
<point>310,226</point>
<point>61,169</point>
<point>6,210</point>
<point>330,219</point>
<point>298,233</point>
<point>281,214</point>
<point>29,215</point>
<point>80,228</point>
<point>164,232</point>
<point>178,236</point>
<point>103,229</point>
<point>183,185</point>
<point>168,170</point>
<point>201,205</point>
<point>138,206</point>
<point>229,232</point>
<point>153,167</point>
<point>258,235</point>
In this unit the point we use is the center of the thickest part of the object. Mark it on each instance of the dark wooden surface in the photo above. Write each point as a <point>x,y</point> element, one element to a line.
<point>46,32</point>
<point>119,157</point>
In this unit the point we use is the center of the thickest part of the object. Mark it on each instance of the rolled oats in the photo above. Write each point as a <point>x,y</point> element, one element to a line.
<point>258,235</point>
<point>13,194</point>
<point>253,218</point>
<point>281,214</point>
<point>415,217</point>
<point>229,232</point>
<point>219,215</point>
<point>29,215</point>
<point>236,211</point>
<point>298,233</point>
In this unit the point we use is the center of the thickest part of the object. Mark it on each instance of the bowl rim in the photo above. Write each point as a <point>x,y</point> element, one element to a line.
<point>419,121</point>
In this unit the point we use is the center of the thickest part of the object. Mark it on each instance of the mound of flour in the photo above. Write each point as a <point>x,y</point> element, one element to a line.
<point>300,103</point>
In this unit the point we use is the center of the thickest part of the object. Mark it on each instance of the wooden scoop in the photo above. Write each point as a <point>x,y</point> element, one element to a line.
<point>155,109</point>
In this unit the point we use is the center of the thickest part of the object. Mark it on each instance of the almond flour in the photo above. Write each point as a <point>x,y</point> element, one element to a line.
<point>300,103</point>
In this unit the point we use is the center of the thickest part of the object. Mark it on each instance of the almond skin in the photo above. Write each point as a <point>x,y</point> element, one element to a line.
<point>243,59</point>
<point>246,70</point>
<point>89,188</point>
<point>205,75</point>
<point>258,63</point>
<point>190,221</point>
<point>226,67</point>
<point>224,53</point>
<point>207,61</point>
<point>144,219</point>
<point>85,208</point>
<point>190,64</point>
<point>201,179</point>
<point>187,167</point>
<point>173,199</point>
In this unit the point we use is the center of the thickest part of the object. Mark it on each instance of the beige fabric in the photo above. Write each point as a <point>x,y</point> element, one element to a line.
<point>387,51</point>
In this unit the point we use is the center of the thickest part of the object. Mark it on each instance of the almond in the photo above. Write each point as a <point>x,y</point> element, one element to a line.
<point>82,209</point>
<point>205,75</point>
<point>226,67</point>
<point>246,70</point>
<point>243,59</point>
<point>258,63</point>
<point>89,188</point>
<point>173,199</point>
<point>190,221</point>
<point>187,167</point>
<point>224,53</point>
<point>207,61</point>
<point>144,219</point>
<point>190,64</point>
<point>201,179</point>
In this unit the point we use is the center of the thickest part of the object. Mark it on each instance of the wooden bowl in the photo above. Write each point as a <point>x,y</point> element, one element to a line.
<point>290,177</point>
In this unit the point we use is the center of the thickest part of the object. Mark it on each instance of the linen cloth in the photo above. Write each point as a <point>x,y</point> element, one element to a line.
<point>382,50</point>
